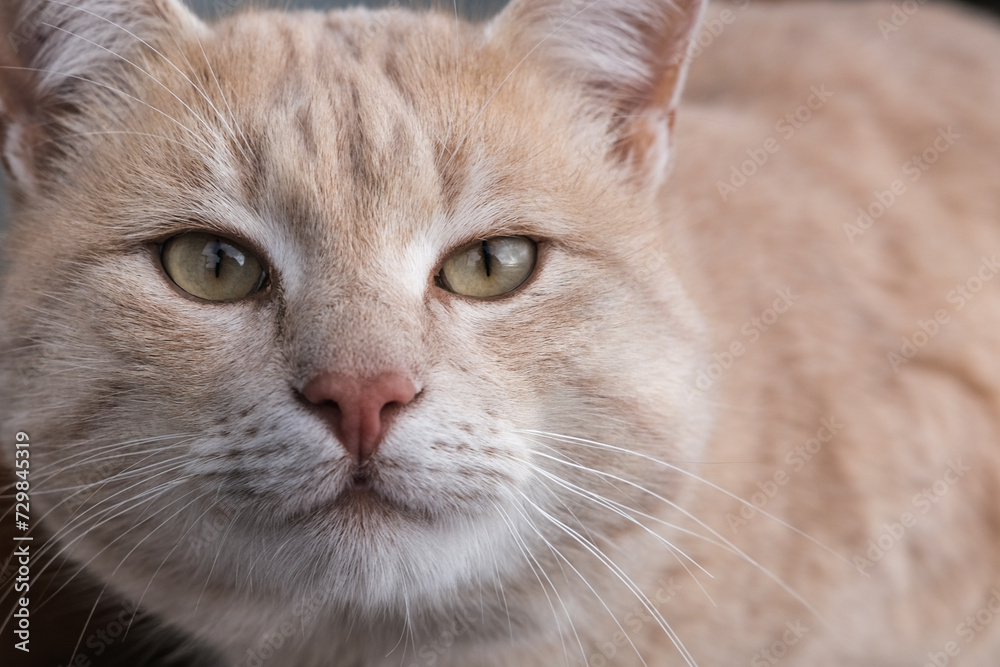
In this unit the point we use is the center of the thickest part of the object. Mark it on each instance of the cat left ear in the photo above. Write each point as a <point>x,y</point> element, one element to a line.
<point>55,55</point>
<point>630,57</point>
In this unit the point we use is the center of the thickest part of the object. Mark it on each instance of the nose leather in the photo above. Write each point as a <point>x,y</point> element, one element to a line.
<point>358,409</point>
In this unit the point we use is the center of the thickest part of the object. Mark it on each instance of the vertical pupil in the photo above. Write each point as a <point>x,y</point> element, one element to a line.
<point>219,252</point>
<point>485,251</point>
<point>213,253</point>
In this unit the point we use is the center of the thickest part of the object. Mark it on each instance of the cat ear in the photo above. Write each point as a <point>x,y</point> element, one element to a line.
<point>630,57</point>
<point>54,50</point>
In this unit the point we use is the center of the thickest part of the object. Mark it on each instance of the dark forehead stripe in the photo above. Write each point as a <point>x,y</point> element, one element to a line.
<point>394,74</point>
<point>253,159</point>
<point>350,131</point>
<point>380,142</point>
<point>306,126</point>
<point>290,40</point>
<point>369,179</point>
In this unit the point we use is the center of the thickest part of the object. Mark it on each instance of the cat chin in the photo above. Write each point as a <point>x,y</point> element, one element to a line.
<point>362,552</point>
<point>379,558</point>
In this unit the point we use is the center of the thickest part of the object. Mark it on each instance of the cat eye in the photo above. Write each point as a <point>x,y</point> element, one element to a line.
<point>492,267</point>
<point>211,267</point>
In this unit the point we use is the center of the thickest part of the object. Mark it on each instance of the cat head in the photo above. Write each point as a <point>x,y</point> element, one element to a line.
<point>381,296</point>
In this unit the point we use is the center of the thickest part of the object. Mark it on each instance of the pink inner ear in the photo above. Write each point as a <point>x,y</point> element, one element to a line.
<point>37,58</point>
<point>17,89</point>
<point>630,56</point>
<point>20,128</point>
<point>15,156</point>
<point>19,133</point>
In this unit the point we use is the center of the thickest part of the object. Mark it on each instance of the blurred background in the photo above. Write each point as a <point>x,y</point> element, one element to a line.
<point>474,9</point>
<point>471,9</point>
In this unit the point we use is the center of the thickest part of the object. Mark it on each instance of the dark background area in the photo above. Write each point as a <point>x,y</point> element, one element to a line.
<point>474,9</point>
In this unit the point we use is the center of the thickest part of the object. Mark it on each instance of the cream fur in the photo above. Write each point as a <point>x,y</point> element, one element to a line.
<point>354,151</point>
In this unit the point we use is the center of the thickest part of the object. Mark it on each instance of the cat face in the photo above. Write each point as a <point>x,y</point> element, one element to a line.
<point>332,168</point>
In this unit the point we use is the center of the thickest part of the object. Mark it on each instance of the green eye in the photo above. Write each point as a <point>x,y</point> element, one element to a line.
<point>489,268</point>
<point>212,268</point>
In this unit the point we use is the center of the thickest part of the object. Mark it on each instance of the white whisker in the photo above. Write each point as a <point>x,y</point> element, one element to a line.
<point>537,569</point>
<point>623,511</point>
<point>745,556</point>
<point>598,445</point>
<point>623,577</point>
<point>140,69</point>
<point>122,562</point>
<point>123,94</point>
<point>164,58</point>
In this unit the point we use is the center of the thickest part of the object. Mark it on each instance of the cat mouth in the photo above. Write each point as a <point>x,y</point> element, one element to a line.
<point>362,480</point>
<point>358,497</point>
<point>362,491</point>
<point>363,496</point>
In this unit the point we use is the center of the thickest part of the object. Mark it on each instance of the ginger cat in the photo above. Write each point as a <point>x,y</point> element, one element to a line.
<point>380,338</point>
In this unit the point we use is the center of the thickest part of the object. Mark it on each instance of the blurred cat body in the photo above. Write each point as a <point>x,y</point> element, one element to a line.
<point>565,487</point>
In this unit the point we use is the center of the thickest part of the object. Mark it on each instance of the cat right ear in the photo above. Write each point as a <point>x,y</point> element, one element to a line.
<point>629,58</point>
<point>55,55</point>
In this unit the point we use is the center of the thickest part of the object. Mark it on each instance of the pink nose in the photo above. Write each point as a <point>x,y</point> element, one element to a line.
<point>358,409</point>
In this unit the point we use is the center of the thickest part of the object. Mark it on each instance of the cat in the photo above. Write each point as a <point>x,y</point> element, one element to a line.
<point>605,332</point>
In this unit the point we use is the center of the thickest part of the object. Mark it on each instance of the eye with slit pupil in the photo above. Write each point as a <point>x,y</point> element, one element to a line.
<point>489,268</point>
<point>214,257</point>
<point>211,268</point>
<point>486,257</point>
